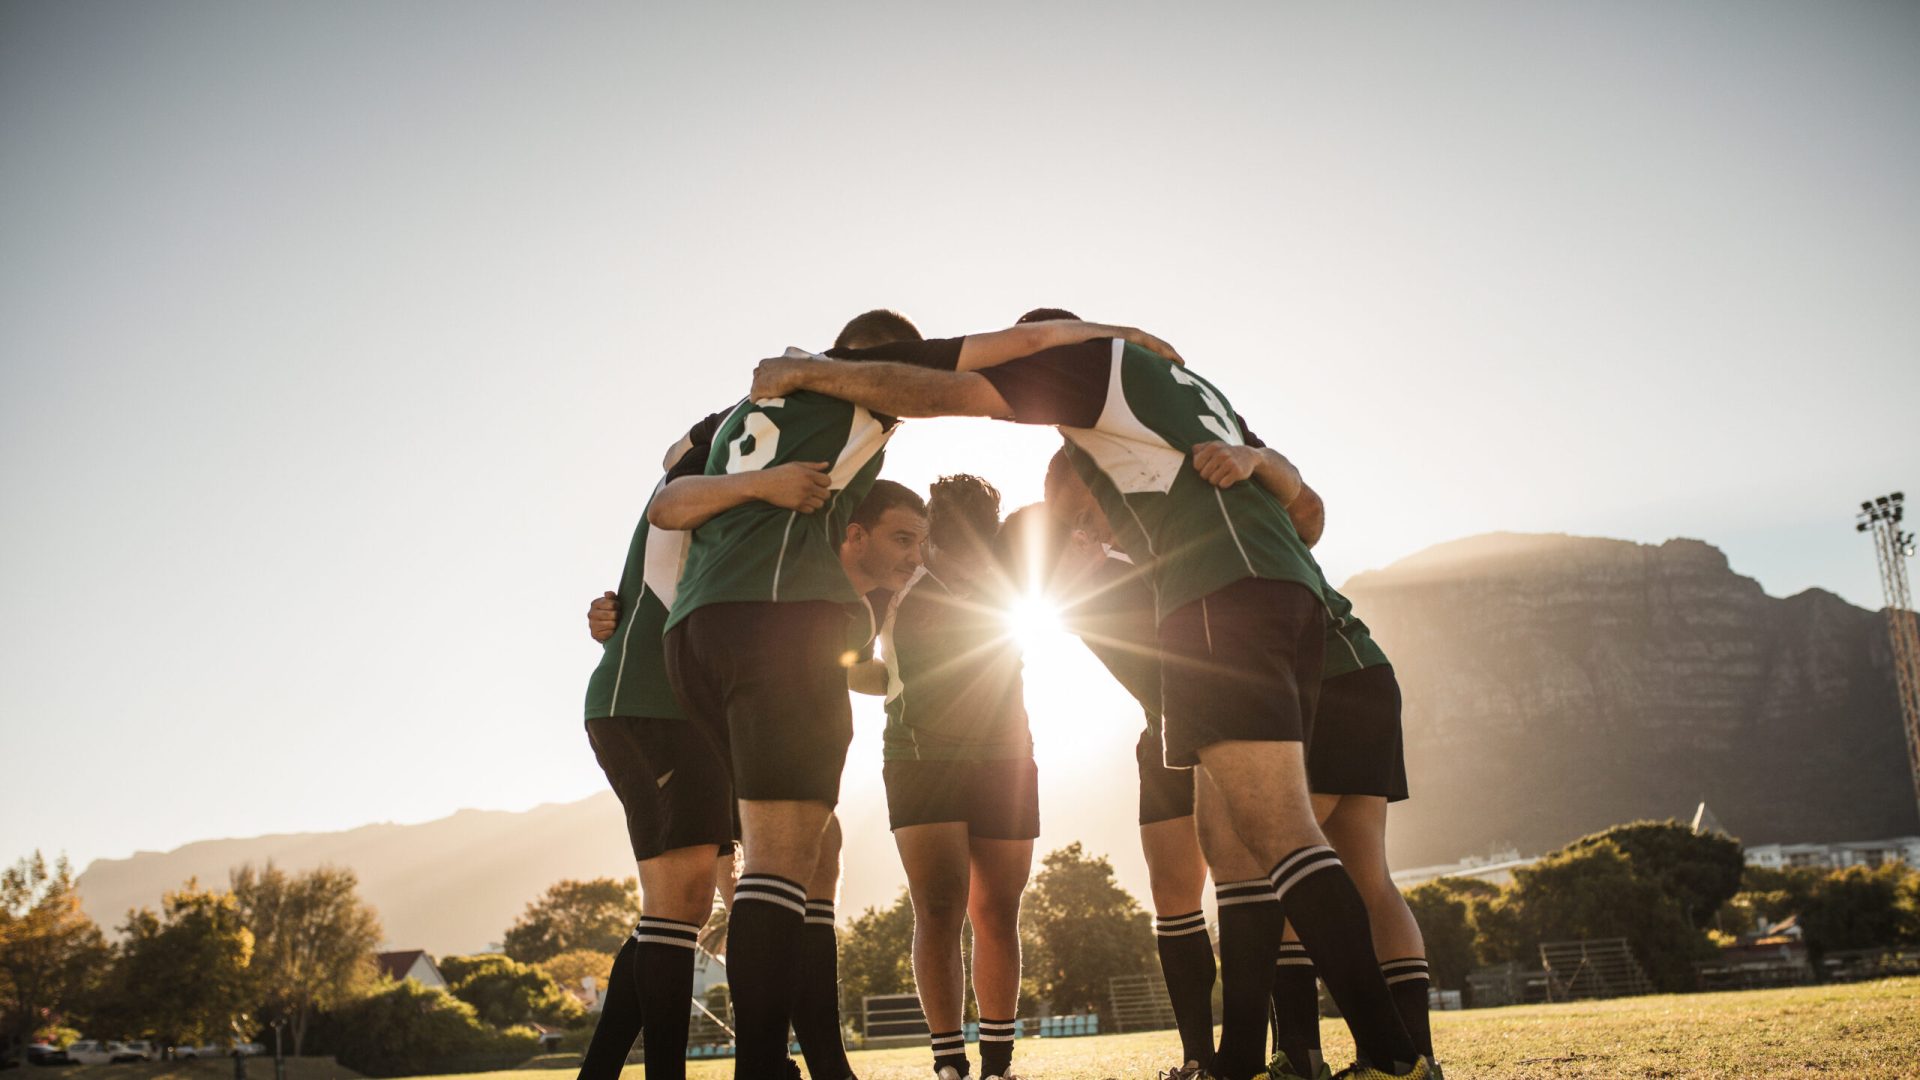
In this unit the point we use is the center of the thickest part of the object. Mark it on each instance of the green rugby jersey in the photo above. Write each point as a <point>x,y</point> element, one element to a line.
<point>1131,420</point>
<point>1350,645</point>
<point>953,678</point>
<point>1114,617</point>
<point>631,678</point>
<point>758,551</point>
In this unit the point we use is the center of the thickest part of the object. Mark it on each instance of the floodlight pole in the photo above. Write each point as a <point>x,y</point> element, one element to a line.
<point>1891,548</point>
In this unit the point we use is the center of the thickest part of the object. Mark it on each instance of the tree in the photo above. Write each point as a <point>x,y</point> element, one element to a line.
<point>1700,870</point>
<point>1444,909</point>
<point>570,969</point>
<point>596,915</point>
<point>183,974</point>
<point>1862,908</point>
<point>405,1029</point>
<point>876,955</point>
<point>314,940</point>
<point>1079,928</point>
<point>52,956</point>
<point>504,991</point>
<point>1591,891</point>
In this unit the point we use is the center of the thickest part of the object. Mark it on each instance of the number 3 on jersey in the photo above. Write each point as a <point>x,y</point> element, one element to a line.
<point>1220,422</point>
<point>758,441</point>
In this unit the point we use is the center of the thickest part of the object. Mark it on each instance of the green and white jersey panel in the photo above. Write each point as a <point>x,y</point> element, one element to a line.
<point>1138,460</point>
<point>631,679</point>
<point>1350,645</point>
<point>953,678</point>
<point>760,552</point>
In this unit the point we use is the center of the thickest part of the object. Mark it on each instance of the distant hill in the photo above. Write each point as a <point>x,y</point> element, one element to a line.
<point>448,886</point>
<point>1554,685</point>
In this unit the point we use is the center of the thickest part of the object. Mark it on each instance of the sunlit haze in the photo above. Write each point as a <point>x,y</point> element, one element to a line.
<point>342,341</point>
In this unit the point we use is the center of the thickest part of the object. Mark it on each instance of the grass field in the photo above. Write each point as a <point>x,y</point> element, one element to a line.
<point>1861,1030</point>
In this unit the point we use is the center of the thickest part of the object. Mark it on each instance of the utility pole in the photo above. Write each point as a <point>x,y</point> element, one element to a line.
<point>1892,548</point>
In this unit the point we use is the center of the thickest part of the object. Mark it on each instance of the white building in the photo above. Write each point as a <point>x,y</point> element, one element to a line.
<point>1836,856</point>
<point>412,964</point>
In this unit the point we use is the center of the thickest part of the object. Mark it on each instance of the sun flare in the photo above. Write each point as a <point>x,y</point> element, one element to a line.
<point>1032,620</point>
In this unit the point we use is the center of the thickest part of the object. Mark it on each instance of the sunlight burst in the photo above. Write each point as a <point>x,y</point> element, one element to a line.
<point>1032,620</point>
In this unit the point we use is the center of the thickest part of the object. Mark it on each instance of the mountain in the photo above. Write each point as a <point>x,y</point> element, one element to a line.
<point>1556,685</point>
<point>448,886</point>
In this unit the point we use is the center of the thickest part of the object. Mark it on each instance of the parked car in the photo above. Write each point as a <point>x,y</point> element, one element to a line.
<point>136,1050</point>
<point>212,1050</point>
<point>47,1054</point>
<point>90,1052</point>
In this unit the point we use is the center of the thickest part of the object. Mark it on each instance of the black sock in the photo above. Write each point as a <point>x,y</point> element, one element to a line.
<point>1326,910</point>
<point>663,972</point>
<point>619,1023</point>
<point>763,947</point>
<point>816,996</point>
<point>950,1048</point>
<point>1186,959</point>
<point>996,1047</point>
<point>1408,980</point>
<point>1296,1008</point>
<point>1249,936</point>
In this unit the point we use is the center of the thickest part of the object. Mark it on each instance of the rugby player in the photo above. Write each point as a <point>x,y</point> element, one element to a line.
<point>963,794</point>
<point>757,653</point>
<point>1240,606</point>
<point>672,784</point>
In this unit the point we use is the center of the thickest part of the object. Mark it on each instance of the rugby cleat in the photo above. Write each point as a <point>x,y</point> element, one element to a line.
<point>948,1072</point>
<point>1192,1070</point>
<point>1280,1067</point>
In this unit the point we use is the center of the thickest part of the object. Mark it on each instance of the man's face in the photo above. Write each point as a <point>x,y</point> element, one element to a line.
<point>1073,502</point>
<point>888,554</point>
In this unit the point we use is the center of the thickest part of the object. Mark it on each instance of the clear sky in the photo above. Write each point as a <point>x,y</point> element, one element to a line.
<point>339,342</point>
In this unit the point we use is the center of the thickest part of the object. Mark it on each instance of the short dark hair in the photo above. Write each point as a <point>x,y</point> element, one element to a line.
<point>877,327</point>
<point>1058,466</point>
<point>883,496</point>
<point>963,512</point>
<point>1049,314</point>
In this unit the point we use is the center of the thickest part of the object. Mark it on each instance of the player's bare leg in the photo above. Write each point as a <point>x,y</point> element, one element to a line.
<point>938,862</point>
<point>999,875</point>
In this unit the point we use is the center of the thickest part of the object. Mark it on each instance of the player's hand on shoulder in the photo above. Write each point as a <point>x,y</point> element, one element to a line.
<point>1133,335</point>
<point>777,376</point>
<point>1224,466</point>
<point>603,615</point>
<point>798,485</point>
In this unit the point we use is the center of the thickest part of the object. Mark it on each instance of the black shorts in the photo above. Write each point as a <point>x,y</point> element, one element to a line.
<point>999,800</point>
<point>671,781</point>
<point>1165,794</point>
<point>765,682</point>
<point>1241,664</point>
<point>1356,736</point>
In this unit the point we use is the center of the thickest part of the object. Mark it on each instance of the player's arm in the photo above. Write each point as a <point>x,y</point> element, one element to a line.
<point>868,677</point>
<point>902,390</point>
<point>1000,346</point>
<point>1223,465</point>
<point>691,501</point>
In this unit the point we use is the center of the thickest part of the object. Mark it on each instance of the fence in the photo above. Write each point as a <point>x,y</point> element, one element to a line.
<point>1597,968</point>
<point>1140,1002</point>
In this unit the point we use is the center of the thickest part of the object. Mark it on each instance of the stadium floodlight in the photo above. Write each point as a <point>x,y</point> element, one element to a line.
<point>1892,547</point>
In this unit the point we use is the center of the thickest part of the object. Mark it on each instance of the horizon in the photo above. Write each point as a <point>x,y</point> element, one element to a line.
<point>342,342</point>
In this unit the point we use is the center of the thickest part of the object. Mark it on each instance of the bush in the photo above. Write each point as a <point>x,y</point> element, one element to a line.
<point>507,992</point>
<point>405,1029</point>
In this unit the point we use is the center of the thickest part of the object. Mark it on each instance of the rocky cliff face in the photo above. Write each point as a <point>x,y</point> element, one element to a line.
<point>1556,685</point>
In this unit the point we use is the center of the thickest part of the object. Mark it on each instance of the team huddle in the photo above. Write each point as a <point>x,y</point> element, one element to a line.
<point>774,571</point>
